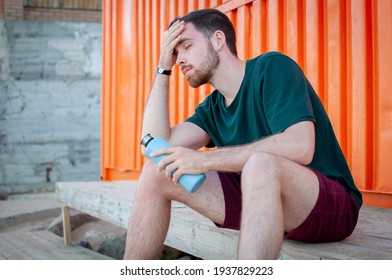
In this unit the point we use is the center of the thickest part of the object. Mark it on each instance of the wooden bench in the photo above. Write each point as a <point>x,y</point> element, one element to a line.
<point>194,234</point>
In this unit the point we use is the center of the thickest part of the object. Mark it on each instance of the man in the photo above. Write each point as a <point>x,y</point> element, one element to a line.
<point>278,171</point>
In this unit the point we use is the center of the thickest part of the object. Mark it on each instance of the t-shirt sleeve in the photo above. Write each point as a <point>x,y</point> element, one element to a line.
<point>197,117</point>
<point>285,94</point>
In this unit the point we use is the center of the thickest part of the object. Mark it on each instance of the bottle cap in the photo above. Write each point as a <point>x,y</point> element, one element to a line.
<point>146,139</point>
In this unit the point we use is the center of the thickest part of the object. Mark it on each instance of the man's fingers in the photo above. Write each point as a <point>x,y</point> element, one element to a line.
<point>173,34</point>
<point>169,42</point>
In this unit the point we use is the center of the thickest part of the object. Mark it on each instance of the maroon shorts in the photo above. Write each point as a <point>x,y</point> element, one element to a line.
<point>333,218</point>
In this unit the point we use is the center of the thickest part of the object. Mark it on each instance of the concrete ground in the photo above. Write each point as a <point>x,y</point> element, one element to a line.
<point>28,212</point>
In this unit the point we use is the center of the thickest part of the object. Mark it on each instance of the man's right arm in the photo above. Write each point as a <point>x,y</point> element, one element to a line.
<point>156,115</point>
<point>156,119</point>
<point>156,112</point>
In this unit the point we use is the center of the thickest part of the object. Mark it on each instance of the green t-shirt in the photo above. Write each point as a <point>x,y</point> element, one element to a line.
<point>274,95</point>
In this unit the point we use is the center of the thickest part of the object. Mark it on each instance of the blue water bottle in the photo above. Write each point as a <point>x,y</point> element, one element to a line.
<point>191,182</point>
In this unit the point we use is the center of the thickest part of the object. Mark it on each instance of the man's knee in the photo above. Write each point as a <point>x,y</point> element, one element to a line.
<point>151,179</point>
<point>155,183</point>
<point>262,164</point>
<point>261,174</point>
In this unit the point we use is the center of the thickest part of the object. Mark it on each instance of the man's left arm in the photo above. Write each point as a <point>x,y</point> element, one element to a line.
<point>296,143</point>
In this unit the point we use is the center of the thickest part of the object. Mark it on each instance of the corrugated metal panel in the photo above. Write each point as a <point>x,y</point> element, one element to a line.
<point>343,46</point>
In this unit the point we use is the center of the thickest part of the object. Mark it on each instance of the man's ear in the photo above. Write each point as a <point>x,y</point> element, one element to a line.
<point>218,40</point>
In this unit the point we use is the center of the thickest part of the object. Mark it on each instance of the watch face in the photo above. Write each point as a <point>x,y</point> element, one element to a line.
<point>160,70</point>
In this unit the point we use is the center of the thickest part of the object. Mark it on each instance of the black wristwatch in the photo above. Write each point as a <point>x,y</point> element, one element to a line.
<point>163,71</point>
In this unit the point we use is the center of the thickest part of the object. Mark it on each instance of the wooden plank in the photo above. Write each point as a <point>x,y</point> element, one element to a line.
<point>10,252</point>
<point>43,245</point>
<point>109,201</point>
<point>192,233</point>
<point>74,252</point>
<point>372,242</point>
<point>26,243</point>
<point>331,251</point>
<point>375,221</point>
<point>67,232</point>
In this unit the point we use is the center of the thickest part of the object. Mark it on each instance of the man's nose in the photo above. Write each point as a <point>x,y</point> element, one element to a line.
<point>180,60</point>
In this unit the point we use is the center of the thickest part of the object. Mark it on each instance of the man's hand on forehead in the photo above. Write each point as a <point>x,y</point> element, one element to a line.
<point>170,40</point>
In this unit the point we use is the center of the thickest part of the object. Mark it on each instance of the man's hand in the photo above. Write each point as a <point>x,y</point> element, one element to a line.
<point>170,40</point>
<point>182,161</point>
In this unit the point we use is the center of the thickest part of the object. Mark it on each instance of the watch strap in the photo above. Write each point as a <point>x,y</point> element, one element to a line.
<point>163,71</point>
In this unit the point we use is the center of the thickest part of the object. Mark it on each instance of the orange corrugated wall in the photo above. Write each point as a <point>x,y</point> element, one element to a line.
<point>344,47</point>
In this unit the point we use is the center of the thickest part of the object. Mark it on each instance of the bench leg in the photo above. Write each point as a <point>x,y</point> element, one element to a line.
<point>67,232</point>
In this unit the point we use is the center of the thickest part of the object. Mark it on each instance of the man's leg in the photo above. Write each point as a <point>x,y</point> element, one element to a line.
<point>150,217</point>
<point>277,196</point>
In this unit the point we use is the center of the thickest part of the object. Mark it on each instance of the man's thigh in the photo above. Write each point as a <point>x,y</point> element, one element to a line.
<point>276,181</point>
<point>298,186</point>
<point>334,216</point>
<point>208,200</point>
<point>299,192</point>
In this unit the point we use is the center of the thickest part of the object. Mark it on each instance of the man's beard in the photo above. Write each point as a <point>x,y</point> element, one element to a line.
<point>204,74</point>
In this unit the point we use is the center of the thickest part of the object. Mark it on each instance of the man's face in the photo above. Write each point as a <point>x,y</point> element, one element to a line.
<point>196,56</point>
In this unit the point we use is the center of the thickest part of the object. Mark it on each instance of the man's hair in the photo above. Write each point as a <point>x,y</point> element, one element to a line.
<point>207,21</point>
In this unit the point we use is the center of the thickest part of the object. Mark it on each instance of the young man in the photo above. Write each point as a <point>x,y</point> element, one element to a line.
<point>278,171</point>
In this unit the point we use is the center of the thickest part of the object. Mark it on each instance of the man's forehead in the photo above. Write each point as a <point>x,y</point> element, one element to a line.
<point>191,32</point>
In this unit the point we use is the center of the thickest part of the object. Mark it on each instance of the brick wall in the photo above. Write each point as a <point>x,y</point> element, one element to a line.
<point>62,14</point>
<point>15,10</point>
<point>1,9</point>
